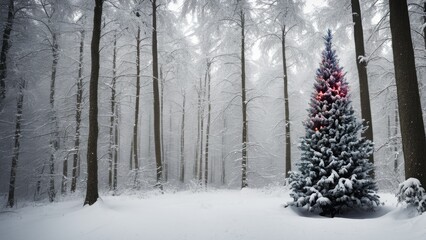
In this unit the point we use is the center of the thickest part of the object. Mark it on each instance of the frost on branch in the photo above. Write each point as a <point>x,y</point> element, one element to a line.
<point>334,171</point>
<point>411,193</point>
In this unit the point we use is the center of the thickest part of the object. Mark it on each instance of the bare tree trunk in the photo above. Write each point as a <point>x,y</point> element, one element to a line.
<point>161,82</point>
<point>223,174</point>
<point>64,182</point>
<point>286,107</point>
<point>362,73</point>
<point>182,142</point>
<point>115,164</point>
<point>203,95</point>
<point>5,48</point>
<point>78,109</point>
<point>157,120</point>
<point>209,107</point>
<point>54,138</point>
<point>135,126</point>
<point>243,105</point>
<point>131,155</point>
<point>395,141</point>
<point>92,194</point>
<point>17,137</point>
<point>410,111</point>
<point>112,150</point>
<point>196,163</point>
<point>168,149</point>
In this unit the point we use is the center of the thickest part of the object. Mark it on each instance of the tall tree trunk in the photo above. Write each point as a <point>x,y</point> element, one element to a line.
<point>182,142</point>
<point>78,109</point>
<point>92,194</point>
<point>362,73</point>
<point>115,164</point>
<point>5,48</point>
<point>64,182</point>
<point>243,105</point>
<point>112,128</point>
<point>395,142</point>
<point>17,137</point>
<point>168,149</point>
<point>222,177</point>
<point>138,89</point>
<point>196,160</point>
<point>54,138</point>
<point>286,106</point>
<point>161,89</point>
<point>410,111</point>
<point>209,107</point>
<point>157,120</point>
<point>202,100</point>
<point>131,155</point>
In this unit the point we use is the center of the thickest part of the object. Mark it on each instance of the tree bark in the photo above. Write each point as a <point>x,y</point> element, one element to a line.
<point>161,89</point>
<point>113,128</point>
<point>17,137</point>
<point>196,162</point>
<point>5,48</point>
<point>202,99</point>
<point>92,194</point>
<point>157,120</point>
<point>223,173</point>
<point>54,138</point>
<point>362,73</point>
<point>410,111</point>
<point>78,109</point>
<point>395,141</point>
<point>244,182</point>
<point>182,142</point>
<point>138,89</point>
<point>209,107</point>
<point>286,107</point>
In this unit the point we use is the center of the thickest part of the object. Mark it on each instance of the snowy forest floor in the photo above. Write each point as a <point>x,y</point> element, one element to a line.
<point>216,214</point>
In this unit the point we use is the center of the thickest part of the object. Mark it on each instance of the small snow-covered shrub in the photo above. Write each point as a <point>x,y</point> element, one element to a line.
<point>412,193</point>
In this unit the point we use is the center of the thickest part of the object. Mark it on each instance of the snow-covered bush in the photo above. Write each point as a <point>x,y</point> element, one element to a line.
<point>412,193</point>
<point>334,172</point>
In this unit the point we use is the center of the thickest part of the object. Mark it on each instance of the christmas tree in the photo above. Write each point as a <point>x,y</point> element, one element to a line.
<point>334,169</point>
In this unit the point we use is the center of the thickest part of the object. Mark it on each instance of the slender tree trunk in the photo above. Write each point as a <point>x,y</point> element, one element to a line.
<point>244,182</point>
<point>161,82</point>
<point>410,111</point>
<point>203,96</point>
<point>115,164</point>
<point>168,149</point>
<point>182,142</point>
<point>92,194</point>
<point>54,138</point>
<point>78,109</point>
<point>223,174</point>
<point>286,107</point>
<point>17,137</point>
<point>209,107</point>
<point>197,147</point>
<point>64,182</point>
<point>5,48</point>
<point>395,141</point>
<point>131,155</point>
<point>157,120</point>
<point>138,89</point>
<point>362,73</point>
<point>113,128</point>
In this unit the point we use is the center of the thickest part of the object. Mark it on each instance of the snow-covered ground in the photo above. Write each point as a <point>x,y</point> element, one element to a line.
<point>219,215</point>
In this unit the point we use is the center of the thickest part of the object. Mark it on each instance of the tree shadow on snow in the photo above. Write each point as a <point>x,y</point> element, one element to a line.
<point>349,214</point>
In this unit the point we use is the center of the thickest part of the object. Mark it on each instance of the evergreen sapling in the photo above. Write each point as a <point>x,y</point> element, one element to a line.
<point>334,172</point>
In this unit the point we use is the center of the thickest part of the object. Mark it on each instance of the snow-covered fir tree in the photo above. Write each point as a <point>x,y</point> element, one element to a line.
<point>334,169</point>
